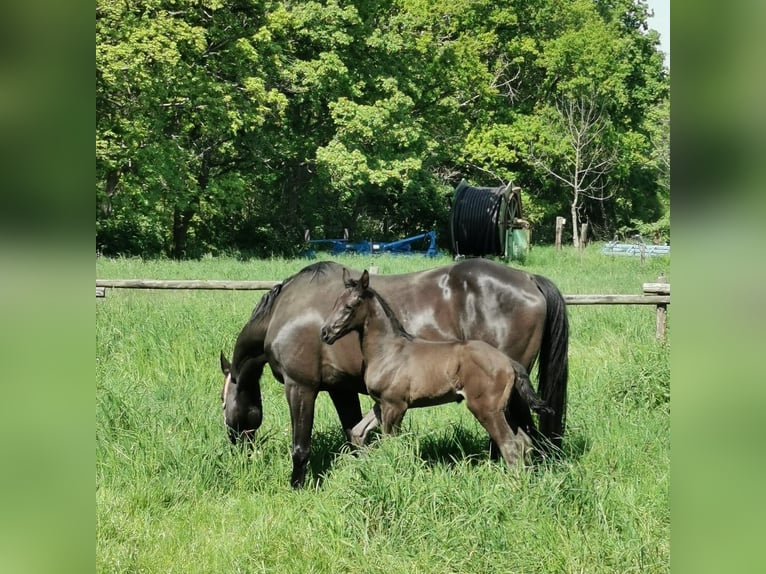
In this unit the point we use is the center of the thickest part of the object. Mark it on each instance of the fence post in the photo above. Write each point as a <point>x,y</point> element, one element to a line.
<point>559,228</point>
<point>583,235</point>
<point>661,287</point>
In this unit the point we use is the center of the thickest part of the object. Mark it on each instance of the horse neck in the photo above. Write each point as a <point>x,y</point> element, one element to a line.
<point>248,360</point>
<point>379,331</point>
<point>250,342</point>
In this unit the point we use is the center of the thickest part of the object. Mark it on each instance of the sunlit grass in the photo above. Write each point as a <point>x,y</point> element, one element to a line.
<point>173,496</point>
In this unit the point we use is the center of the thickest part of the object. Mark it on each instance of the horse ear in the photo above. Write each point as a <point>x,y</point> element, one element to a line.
<point>365,280</point>
<point>347,281</point>
<point>225,364</point>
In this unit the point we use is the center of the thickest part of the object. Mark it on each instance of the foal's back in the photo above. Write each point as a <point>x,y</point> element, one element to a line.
<point>427,373</point>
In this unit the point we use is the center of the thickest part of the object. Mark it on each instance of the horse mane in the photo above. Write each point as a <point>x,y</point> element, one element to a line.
<point>267,301</point>
<point>395,323</point>
<point>318,268</point>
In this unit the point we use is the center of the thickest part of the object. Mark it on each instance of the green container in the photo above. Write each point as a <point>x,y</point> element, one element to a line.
<point>519,244</point>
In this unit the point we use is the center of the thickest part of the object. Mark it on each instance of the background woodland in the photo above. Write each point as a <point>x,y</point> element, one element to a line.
<point>230,127</point>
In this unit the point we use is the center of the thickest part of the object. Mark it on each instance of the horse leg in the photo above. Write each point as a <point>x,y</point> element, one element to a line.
<point>524,443</point>
<point>490,410</point>
<point>349,410</point>
<point>506,440</point>
<point>358,434</point>
<point>301,399</point>
<point>391,415</point>
<point>519,416</point>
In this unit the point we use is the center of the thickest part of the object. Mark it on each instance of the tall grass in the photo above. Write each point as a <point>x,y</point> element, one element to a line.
<point>173,496</point>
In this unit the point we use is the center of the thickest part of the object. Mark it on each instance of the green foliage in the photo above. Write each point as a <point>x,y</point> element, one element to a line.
<point>657,232</point>
<point>235,126</point>
<point>173,496</point>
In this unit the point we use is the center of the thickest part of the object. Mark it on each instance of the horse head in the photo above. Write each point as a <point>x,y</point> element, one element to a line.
<point>241,399</point>
<point>345,315</point>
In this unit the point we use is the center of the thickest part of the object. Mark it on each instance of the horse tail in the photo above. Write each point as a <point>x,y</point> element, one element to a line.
<point>527,392</point>
<point>553,362</point>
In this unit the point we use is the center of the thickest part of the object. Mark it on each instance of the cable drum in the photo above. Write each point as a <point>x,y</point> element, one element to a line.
<point>482,219</point>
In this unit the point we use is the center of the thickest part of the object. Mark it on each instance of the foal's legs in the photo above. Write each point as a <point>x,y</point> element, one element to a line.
<point>391,414</point>
<point>358,434</point>
<point>349,410</point>
<point>510,444</point>
<point>519,417</point>
<point>490,411</point>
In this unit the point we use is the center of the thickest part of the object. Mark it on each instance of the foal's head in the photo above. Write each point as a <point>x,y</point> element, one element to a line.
<point>348,314</point>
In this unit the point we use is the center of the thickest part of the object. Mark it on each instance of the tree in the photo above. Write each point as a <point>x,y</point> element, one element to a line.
<point>236,125</point>
<point>574,148</point>
<point>180,98</point>
<point>657,227</point>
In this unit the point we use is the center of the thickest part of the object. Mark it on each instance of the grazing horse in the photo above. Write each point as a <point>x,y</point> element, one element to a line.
<point>402,371</point>
<point>521,314</point>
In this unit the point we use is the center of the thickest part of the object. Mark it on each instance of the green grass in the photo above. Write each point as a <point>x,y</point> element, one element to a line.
<point>173,496</point>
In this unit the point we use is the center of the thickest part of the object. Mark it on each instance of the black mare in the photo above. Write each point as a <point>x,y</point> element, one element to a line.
<point>521,314</point>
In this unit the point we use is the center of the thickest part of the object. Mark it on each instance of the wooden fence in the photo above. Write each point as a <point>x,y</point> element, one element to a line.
<point>657,294</point>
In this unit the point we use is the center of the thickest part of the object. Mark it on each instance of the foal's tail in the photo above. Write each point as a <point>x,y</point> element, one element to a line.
<point>527,391</point>
<point>553,362</point>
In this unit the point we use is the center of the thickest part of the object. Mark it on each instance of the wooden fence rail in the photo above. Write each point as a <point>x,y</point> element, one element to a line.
<point>186,284</point>
<point>657,294</point>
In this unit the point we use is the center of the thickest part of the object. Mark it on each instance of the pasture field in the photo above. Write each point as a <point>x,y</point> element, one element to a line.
<point>173,496</point>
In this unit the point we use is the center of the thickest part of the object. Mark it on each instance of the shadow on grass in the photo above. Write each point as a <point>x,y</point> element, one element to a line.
<point>576,445</point>
<point>451,447</point>
<point>456,445</point>
<point>460,444</point>
<point>326,446</point>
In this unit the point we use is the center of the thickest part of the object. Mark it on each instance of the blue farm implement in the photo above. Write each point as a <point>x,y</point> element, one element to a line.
<point>404,246</point>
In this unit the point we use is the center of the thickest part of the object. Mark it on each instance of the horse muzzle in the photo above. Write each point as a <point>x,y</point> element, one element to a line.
<point>245,437</point>
<point>327,335</point>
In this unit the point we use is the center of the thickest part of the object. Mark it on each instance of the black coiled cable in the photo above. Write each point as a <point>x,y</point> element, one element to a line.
<point>475,220</point>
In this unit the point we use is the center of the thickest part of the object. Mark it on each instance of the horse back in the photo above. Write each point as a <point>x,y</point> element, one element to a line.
<point>474,299</point>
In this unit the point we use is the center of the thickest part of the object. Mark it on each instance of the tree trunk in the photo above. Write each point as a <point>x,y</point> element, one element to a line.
<point>575,236</point>
<point>112,180</point>
<point>181,219</point>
